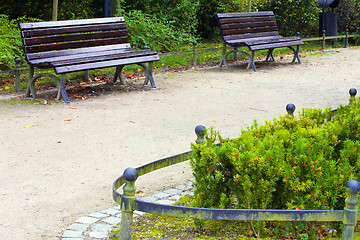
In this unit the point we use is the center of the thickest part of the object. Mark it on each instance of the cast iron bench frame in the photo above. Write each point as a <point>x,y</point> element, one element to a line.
<point>81,45</point>
<point>257,31</point>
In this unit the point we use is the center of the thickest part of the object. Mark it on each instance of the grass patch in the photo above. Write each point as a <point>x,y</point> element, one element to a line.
<point>153,226</point>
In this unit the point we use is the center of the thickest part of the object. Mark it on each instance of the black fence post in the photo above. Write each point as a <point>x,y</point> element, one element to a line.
<point>17,73</point>
<point>194,54</point>
<point>127,203</point>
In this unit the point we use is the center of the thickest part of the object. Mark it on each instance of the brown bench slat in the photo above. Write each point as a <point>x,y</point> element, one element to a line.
<point>74,37</point>
<point>68,52</point>
<point>45,61</point>
<point>105,64</point>
<point>75,29</point>
<point>243,20</point>
<point>251,35</point>
<point>105,57</point>
<point>249,30</point>
<point>247,25</point>
<point>244,14</point>
<point>276,45</point>
<point>67,23</point>
<point>250,41</point>
<point>259,41</point>
<point>80,44</point>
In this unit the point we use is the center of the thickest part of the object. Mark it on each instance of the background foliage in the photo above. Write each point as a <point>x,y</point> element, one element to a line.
<point>167,25</point>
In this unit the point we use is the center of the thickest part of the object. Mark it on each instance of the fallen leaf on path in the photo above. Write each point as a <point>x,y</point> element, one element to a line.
<point>67,120</point>
<point>72,107</point>
<point>131,121</point>
<point>214,120</point>
<point>139,192</point>
<point>28,126</point>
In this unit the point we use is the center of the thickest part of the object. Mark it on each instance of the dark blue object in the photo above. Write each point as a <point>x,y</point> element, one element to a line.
<point>107,8</point>
<point>130,174</point>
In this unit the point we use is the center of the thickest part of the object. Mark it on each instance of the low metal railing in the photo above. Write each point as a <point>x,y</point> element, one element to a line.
<point>128,202</point>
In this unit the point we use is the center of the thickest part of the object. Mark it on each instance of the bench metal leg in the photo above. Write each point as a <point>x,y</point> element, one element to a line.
<point>60,83</point>
<point>251,61</point>
<point>235,54</point>
<point>118,74</point>
<point>251,58</point>
<point>296,54</point>
<point>62,89</point>
<point>31,75</point>
<point>86,76</point>
<point>222,61</point>
<point>148,74</point>
<point>270,55</point>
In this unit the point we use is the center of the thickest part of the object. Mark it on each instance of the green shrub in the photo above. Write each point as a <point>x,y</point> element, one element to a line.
<point>290,163</point>
<point>164,25</point>
<point>349,16</point>
<point>157,34</point>
<point>293,16</point>
<point>10,43</point>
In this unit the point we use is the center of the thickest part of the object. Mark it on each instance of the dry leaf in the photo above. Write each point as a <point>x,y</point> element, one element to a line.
<point>28,126</point>
<point>72,107</point>
<point>67,120</point>
<point>131,121</point>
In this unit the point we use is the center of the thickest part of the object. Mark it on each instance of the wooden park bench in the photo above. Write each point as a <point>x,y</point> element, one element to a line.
<point>255,30</point>
<point>81,45</point>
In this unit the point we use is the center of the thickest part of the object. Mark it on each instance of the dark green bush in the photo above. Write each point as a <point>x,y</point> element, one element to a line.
<point>164,25</point>
<point>159,35</point>
<point>293,16</point>
<point>10,43</point>
<point>289,163</point>
<point>42,9</point>
<point>348,16</point>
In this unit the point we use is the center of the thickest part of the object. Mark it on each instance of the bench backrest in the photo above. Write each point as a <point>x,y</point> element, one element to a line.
<point>247,25</point>
<point>57,38</point>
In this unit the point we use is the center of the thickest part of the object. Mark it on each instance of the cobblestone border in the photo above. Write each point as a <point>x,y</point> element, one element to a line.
<point>96,226</point>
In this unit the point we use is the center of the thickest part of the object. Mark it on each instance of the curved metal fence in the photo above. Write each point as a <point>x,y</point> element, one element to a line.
<point>128,202</point>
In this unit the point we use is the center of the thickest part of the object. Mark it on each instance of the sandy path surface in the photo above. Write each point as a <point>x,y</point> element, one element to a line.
<point>59,161</point>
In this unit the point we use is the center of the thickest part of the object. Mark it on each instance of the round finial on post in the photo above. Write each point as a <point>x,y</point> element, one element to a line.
<point>290,108</point>
<point>130,174</point>
<point>17,60</point>
<point>353,186</point>
<point>145,47</point>
<point>298,34</point>
<point>194,43</point>
<point>352,93</point>
<point>350,211</point>
<point>200,133</point>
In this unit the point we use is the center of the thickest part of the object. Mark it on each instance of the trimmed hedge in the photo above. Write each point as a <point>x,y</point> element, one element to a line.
<point>290,163</point>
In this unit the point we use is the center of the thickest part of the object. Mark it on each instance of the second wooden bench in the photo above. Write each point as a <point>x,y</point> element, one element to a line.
<point>255,30</point>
